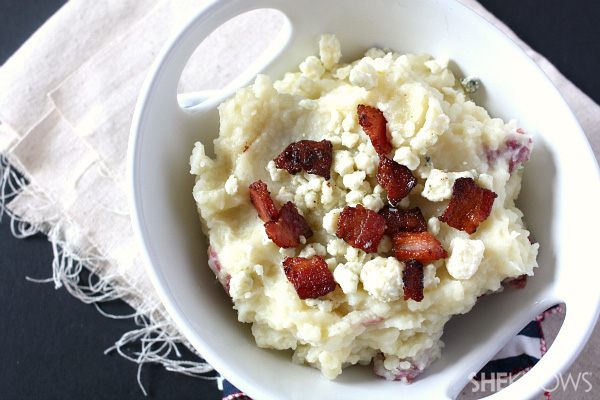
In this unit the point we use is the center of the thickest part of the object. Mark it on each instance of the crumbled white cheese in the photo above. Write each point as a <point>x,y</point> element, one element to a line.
<point>382,278</point>
<point>438,65</point>
<point>327,193</point>
<point>354,181</point>
<point>350,139</point>
<point>284,195</point>
<point>404,156</point>
<point>367,162</point>
<point>355,196</point>
<point>373,202</point>
<point>430,281</point>
<point>275,173</point>
<point>337,247</point>
<point>231,185</point>
<point>287,252</point>
<point>346,275</point>
<point>342,72</point>
<point>465,257</point>
<point>485,181</point>
<point>330,220</point>
<point>313,249</point>
<point>335,122</point>
<point>343,162</point>
<point>312,68</point>
<point>364,75</point>
<point>439,184</point>
<point>349,122</point>
<point>433,225</point>
<point>330,50</point>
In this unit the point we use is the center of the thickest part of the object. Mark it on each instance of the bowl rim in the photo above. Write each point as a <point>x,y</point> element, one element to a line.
<point>137,208</point>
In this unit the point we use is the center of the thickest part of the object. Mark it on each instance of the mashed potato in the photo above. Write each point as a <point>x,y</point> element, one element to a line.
<point>436,131</point>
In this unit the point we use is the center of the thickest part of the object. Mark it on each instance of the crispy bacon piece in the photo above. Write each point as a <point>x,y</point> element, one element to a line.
<point>412,279</point>
<point>290,225</point>
<point>397,220</point>
<point>361,228</point>
<point>284,227</point>
<point>314,157</point>
<point>261,198</point>
<point>374,124</point>
<point>311,278</point>
<point>421,246</point>
<point>396,178</point>
<point>469,205</point>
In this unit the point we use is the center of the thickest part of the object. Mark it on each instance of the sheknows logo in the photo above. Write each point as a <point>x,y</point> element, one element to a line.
<point>577,381</point>
<point>497,381</point>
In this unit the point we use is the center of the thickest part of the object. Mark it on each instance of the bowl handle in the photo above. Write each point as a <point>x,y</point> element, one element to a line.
<point>165,73</point>
<point>578,325</point>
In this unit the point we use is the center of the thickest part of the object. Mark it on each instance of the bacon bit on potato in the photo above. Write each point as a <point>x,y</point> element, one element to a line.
<point>396,178</point>
<point>361,228</point>
<point>311,278</point>
<point>374,124</point>
<point>290,225</point>
<point>397,220</point>
<point>314,157</point>
<point>283,227</point>
<point>469,205</point>
<point>421,246</point>
<point>261,198</point>
<point>412,280</point>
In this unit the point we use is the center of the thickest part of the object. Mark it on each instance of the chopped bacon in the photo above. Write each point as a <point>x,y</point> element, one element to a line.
<point>311,278</point>
<point>516,283</point>
<point>396,178</point>
<point>469,205</point>
<point>397,220</point>
<point>361,228</point>
<point>261,198</point>
<point>314,157</point>
<point>283,227</point>
<point>374,124</point>
<point>421,246</point>
<point>290,225</point>
<point>412,280</point>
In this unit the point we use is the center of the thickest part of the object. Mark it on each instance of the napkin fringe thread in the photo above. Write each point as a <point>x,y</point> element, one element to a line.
<point>157,337</point>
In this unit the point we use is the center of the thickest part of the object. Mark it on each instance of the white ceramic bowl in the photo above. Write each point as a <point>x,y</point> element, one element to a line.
<point>561,185</point>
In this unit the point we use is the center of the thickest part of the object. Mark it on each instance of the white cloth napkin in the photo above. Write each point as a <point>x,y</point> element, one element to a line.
<point>66,103</point>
